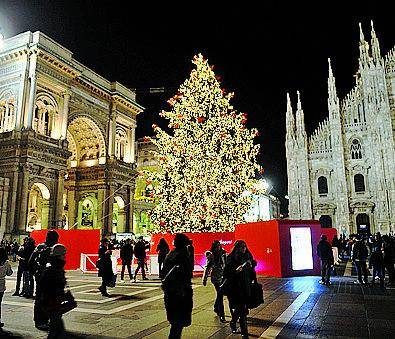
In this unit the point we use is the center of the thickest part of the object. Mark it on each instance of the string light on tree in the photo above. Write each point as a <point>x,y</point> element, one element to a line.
<point>207,162</point>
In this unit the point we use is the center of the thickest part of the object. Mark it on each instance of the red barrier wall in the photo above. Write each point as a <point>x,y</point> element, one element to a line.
<point>270,244</point>
<point>329,232</point>
<point>76,242</point>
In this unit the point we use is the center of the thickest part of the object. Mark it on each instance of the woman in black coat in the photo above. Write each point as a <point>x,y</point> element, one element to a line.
<point>104,266</point>
<point>239,274</point>
<point>162,249</point>
<point>176,284</point>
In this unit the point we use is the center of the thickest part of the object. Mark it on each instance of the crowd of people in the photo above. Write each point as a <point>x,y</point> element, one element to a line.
<point>375,251</point>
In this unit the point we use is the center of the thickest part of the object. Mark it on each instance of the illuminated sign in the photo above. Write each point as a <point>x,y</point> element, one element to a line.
<point>302,254</point>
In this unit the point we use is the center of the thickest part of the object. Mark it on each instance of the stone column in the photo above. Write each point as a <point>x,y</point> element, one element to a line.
<point>59,199</point>
<point>100,208</point>
<point>13,211</point>
<point>4,189</point>
<point>24,194</point>
<point>131,209</point>
<point>132,141</point>
<point>65,114</point>
<point>112,125</point>
<point>72,203</point>
<point>29,113</point>
<point>110,207</point>
<point>121,227</point>
<point>44,214</point>
<point>23,92</point>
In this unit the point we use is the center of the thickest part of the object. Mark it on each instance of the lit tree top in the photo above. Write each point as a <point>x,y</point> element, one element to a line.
<point>208,162</point>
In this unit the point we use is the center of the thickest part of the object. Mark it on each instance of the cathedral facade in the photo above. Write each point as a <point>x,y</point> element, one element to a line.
<point>67,141</point>
<point>344,173</point>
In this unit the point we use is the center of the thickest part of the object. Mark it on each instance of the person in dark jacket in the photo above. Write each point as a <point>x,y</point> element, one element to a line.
<point>216,259</point>
<point>37,263</point>
<point>52,283</point>
<point>104,265</point>
<point>140,254</point>
<point>359,255</point>
<point>389,258</point>
<point>324,251</point>
<point>176,284</point>
<point>22,266</point>
<point>126,254</point>
<point>162,249</point>
<point>239,275</point>
<point>376,261</point>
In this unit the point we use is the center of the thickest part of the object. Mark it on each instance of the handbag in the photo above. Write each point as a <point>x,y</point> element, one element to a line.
<point>67,303</point>
<point>256,297</point>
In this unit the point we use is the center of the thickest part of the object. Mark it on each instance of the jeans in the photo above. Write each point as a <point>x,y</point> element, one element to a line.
<point>127,264</point>
<point>140,264</point>
<point>361,269</point>
<point>378,271</point>
<point>28,284</point>
<point>18,279</point>
<point>175,331</point>
<point>325,271</point>
<point>56,327</point>
<point>219,301</point>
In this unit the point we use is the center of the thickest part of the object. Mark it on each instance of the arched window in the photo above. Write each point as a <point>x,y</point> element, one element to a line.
<point>322,185</point>
<point>359,183</point>
<point>121,142</point>
<point>356,149</point>
<point>45,115</point>
<point>7,112</point>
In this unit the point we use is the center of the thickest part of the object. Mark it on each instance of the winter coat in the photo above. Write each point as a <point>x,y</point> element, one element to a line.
<point>359,251</point>
<point>139,250</point>
<point>324,251</point>
<point>104,266</point>
<point>126,253</point>
<point>389,252</point>
<point>5,269</point>
<point>376,258</point>
<point>237,285</point>
<point>162,249</point>
<point>177,287</point>
<point>52,284</point>
<point>25,252</point>
<point>215,267</point>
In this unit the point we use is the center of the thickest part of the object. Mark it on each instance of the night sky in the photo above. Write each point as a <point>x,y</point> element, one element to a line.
<point>260,53</point>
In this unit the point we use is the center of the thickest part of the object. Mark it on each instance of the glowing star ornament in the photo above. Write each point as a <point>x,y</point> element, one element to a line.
<point>206,162</point>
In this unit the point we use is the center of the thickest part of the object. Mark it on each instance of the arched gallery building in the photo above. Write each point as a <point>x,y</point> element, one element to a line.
<point>67,136</point>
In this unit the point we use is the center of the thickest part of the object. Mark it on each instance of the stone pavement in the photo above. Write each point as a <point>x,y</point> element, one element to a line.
<point>294,307</point>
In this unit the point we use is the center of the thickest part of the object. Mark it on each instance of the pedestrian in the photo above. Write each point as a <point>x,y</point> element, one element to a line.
<point>22,263</point>
<point>376,262</point>
<point>37,263</point>
<point>216,259</point>
<point>5,269</point>
<point>126,254</point>
<point>389,258</point>
<point>14,250</point>
<point>140,254</point>
<point>104,265</point>
<point>238,277</point>
<point>325,253</point>
<point>176,284</point>
<point>28,278</point>
<point>359,255</point>
<point>52,284</point>
<point>162,249</point>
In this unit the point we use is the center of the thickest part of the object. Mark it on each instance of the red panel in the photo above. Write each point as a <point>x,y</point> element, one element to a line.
<point>262,239</point>
<point>329,232</point>
<point>76,242</point>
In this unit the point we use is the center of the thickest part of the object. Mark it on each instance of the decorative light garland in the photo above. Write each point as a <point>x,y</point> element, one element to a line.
<point>208,162</point>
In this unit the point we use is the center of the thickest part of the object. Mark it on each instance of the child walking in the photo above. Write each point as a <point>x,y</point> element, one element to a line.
<point>5,269</point>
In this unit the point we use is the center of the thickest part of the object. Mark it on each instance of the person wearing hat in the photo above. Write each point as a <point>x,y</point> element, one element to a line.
<point>52,285</point>
<point>37,263</point>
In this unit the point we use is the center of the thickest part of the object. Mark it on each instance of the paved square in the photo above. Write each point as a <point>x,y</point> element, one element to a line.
<point>294,307</point>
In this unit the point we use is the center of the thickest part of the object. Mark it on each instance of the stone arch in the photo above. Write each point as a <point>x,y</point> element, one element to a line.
<point>45,114</point>
<point>38,206</point>
<point>90,145</point>
<point>7,110</point>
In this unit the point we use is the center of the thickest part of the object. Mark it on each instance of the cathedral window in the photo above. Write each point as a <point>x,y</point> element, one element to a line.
<point>359,183</point>
<point>7,112</point>
<point>121,143</point>
<point>356,149</point>
<point>322,185</point>
<point>44,115</point>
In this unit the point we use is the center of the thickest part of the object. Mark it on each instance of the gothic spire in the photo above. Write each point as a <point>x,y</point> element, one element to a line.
<point>363,48</point>
<point>375,45</point>
<point>300,118</point>
<point>332,93</point>
<point>290,117</point>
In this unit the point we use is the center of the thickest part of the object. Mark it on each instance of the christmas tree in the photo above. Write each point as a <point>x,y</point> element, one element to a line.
<point>207,163</point>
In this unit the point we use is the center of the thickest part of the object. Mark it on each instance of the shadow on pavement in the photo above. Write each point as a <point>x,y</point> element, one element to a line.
<point>7,334</point>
